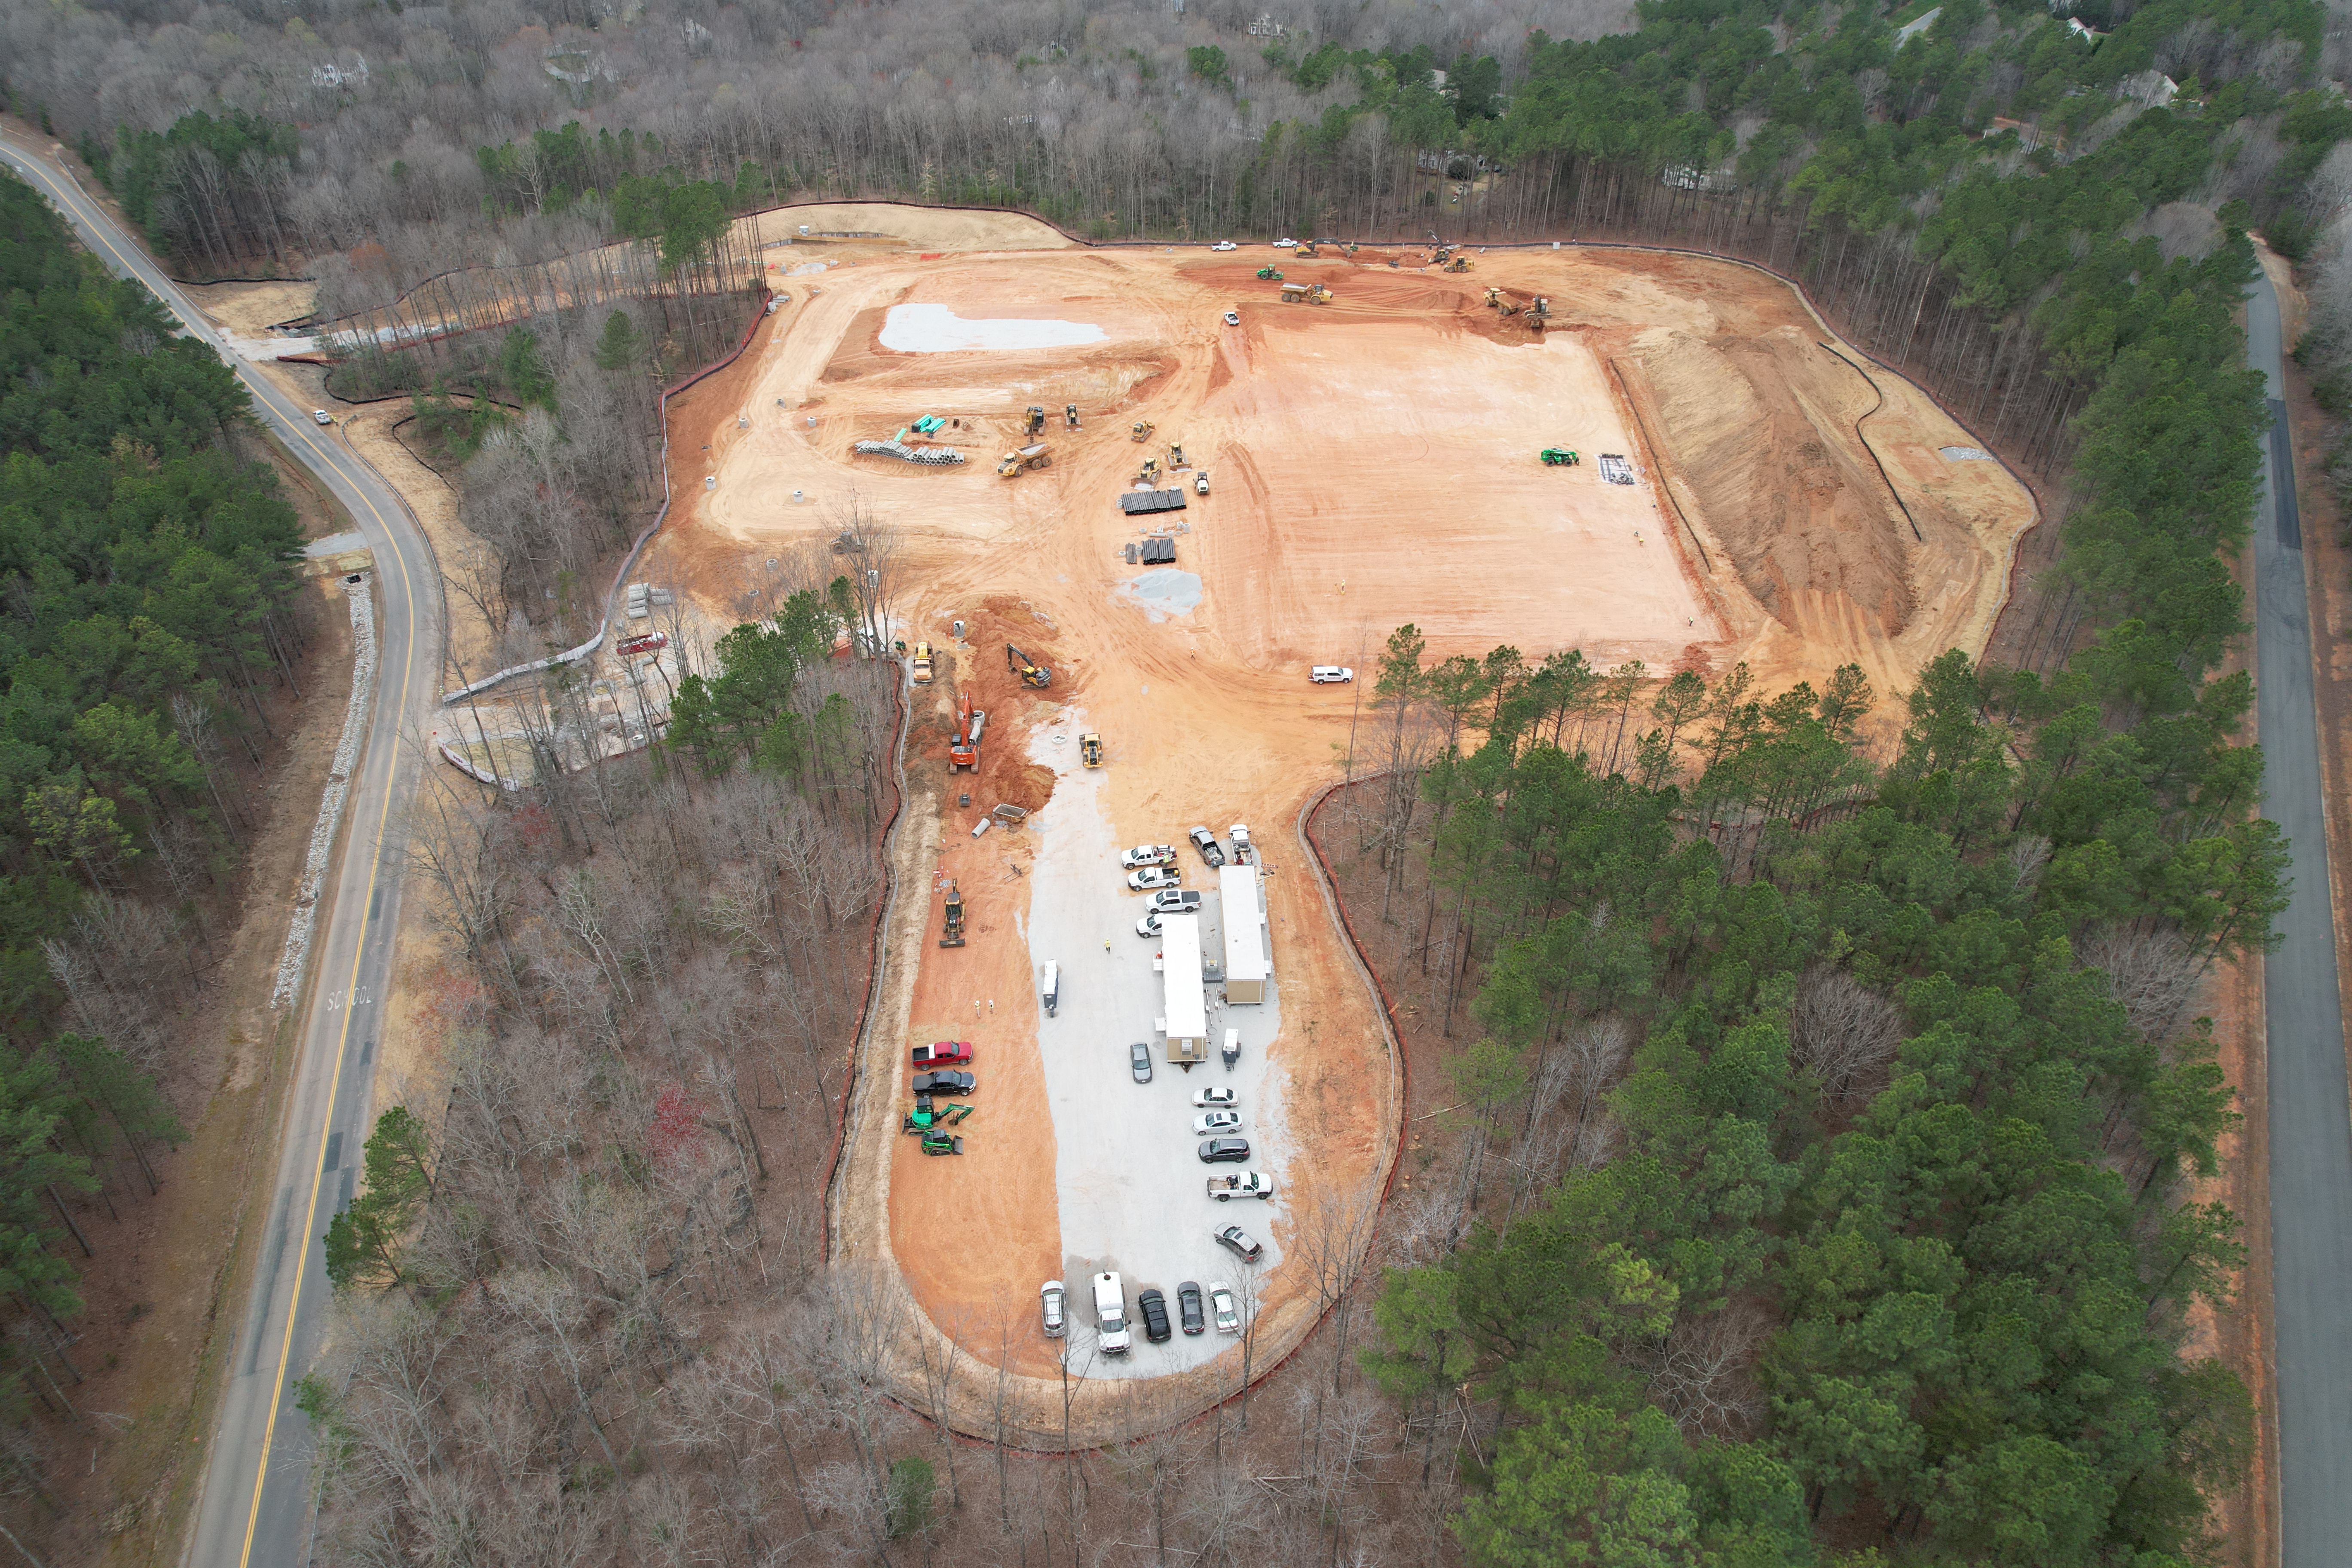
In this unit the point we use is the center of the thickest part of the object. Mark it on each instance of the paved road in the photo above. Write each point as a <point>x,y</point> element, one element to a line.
<point>2310,1125</point>
<point>256,1503</point>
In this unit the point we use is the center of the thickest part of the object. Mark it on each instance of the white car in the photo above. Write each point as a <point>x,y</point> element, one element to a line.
<point>1148,854</point>
<point>1232,318</point>
<point>1050,1301</point>
<point>1224,244</point>
<point>1152,876</point>
<point>1221,1308</point>
<point>322,417</point>
<point>1214,1096</point>
<point>1331,674</point>
<point>1211,1122</point>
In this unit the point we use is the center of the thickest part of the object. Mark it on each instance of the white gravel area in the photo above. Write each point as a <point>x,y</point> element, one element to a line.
<point>1164,591</point>
<point>1127,1175</point>
<point>937,330</point>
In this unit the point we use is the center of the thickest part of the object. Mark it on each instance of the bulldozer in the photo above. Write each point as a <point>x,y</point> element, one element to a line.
<point>1035,675</point>
<point>1149,473</point>
<point>1069,416</point>
<point>1271,274</point>
<point>1033,456</point>
<point>1176,456</point>
<point>964,747</point>
<point>953,930</point>
<point>1459,264</point>
<point>1143,431</point>
<point>1037,426</point>
<point>1090,749</point>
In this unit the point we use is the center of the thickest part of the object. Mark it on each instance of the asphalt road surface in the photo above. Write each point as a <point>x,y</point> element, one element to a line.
<point>254,1507</point>
<point>2311,1126</point>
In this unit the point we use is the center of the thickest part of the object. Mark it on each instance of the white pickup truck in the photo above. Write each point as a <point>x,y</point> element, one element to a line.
<point>1110,1314</point>
<point>1243,1184</point>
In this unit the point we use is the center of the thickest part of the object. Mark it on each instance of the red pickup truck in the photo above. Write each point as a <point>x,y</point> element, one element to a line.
<point>942,1053</point>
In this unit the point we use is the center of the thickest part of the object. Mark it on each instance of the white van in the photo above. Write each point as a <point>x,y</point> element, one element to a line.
<point>1050,993</point>
<point>1110,1314</point>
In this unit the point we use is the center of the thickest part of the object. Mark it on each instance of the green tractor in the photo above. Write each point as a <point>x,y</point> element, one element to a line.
<point>1560,456</point>
<point>943,1144</point>
<point>1271,274</point>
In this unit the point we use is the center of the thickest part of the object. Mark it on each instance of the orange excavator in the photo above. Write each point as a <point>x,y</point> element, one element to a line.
<point>963,749</point>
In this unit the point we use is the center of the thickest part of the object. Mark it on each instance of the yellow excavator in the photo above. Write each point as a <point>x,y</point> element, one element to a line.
<point>1035,675</point>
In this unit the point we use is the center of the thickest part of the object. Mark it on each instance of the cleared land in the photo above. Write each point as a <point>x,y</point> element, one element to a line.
<point>1372,461</point>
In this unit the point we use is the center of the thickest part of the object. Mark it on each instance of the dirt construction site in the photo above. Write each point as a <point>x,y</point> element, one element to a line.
<point>1768,495</point>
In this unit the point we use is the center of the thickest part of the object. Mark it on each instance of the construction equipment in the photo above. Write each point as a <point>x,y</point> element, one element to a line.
<point>1439,255</point>
<point>1143,431</point>
<point>1037,421</point>
<point>963,749</point>
<point>1176,456</point>
<point>1306,294</point>
<point>1010,814</point>
<point>943,1144</point>
<point>922,664</point>
<point>1090,749</point>
<point>1270,274</point>
<point>1031,674</point>
<point>1200,482</point>
<point>1069,416</point>
<point>1150,472</point>
<point>1033,456</point>
<point>953,931</point>
<point>1305,250</point>
<point>931,457</point>
<point>1560,456</point>
<point>1459,264</point>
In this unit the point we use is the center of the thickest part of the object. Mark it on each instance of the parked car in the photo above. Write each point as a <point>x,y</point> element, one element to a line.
<point>322,417</point>
<point>1050,1300</point>
<point>1173,902</point>
<point>1232,318</point>
<point>1152,876</point>
<point>1188,1307</point>
<point>1211,1122</point>
<point>1153,1308</point>
<point>1215,1097</point>
<point>1148,926</point>
<point>1139,1061</point>
<point>1224,244</point>
<point>1222,1307</point>
<point>1238,1242</point>
<point>942,1052</point>
<point>1224,1150</point>
<point>1286,245</point>
<point>1331,674</point>
<point>1148,854</point>
<point>1206,843</point>
<point>945,1083</point>
<point>1239,833</point>
<point>1240,1185</point>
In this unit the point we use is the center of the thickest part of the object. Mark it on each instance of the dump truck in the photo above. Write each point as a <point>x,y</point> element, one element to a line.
<point>1270,274</point>
<point>922,664</point>
<point>1560,456</point>
<point>1090,749</point>
<point>1037,426</point>
<point>1143,431</point>
<point>1306,294</point>
<point>1033,456</point>
<point>1200,482</point>
<point>1069,416</point>
<point>1031,672</point>
<point>953,926</point>
<point>963,749</point>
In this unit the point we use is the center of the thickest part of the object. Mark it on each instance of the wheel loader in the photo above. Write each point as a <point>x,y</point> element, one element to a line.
<point>1069,417</point>
<point>1037,425</point>
<point>953,928</point>
<point>1090,749</point>
<point>1459,264</point>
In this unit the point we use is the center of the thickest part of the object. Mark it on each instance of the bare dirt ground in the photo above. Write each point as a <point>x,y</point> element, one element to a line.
<point>250,310</point>
<point>1373,461</point>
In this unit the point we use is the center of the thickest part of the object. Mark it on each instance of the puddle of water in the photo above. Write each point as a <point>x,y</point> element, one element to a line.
<point>1164,592</point>
<point>937,330</point>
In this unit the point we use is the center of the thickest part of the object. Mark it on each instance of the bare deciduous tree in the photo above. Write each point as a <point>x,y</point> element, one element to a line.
<point>1840,1031</point>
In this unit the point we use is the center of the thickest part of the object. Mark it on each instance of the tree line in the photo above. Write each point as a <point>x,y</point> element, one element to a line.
<point>151,631</point>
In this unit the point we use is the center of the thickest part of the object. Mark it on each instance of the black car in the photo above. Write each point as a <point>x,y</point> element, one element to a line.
<point>945,1083</point>
<point>1223,1151</point>
<point>1206,843</point>
<point>1154,1308</point>
<point>1188,1308</point>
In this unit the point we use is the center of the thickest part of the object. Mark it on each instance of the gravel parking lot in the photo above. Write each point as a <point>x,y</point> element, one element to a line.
<point>1127,1175</point>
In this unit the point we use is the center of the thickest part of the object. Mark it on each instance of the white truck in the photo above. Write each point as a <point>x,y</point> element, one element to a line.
<point>1241,1184</point>
<point>1239,833</point>
<point>1110,1314</point>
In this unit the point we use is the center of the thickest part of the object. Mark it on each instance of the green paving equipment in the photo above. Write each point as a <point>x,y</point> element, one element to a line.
<point>1273,274</point>
<point>1560,457</point>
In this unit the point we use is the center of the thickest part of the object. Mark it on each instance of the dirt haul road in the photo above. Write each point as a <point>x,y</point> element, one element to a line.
<point>1373,462</point>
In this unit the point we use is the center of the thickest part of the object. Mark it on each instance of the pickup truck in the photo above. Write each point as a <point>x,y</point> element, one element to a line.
<point>942,1053</point>
<point>1148,854</point>
<point>1241,1184</point>
<point>1173,902</point>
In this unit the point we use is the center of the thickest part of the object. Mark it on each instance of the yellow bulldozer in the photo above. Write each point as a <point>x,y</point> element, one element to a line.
<point>1149,473</point>
<point>1033,456</point>
<point>1143,431</point>
<point>1176,456</point>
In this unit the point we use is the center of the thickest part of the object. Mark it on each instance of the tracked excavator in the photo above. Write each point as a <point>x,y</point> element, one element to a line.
<point>964,747</point>
<point>1031,674</point>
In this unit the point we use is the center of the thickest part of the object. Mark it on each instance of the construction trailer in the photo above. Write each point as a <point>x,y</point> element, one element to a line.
<point>1249,961</point>
<point>1184,1006</point>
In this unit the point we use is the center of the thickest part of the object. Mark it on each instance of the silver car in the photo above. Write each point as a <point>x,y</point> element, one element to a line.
<point>1215,1122</point>
<point>1050,1299</point>
<point>1139,1061</point>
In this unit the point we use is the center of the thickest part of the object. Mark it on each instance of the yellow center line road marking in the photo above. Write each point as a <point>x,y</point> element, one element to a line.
<point>326,465</point>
